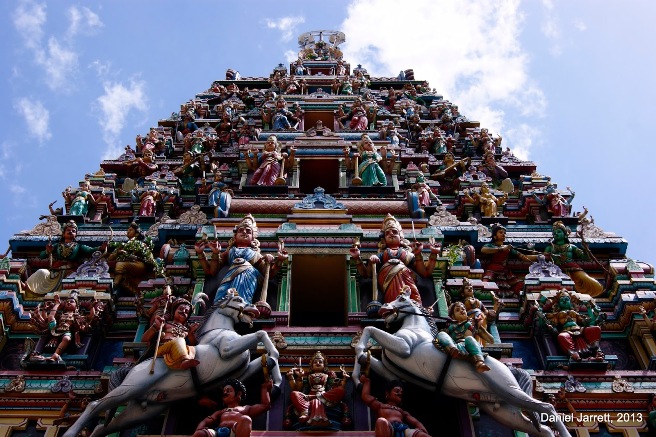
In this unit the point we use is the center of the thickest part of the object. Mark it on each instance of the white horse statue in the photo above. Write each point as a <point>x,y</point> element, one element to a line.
<point>409,354</point>
<point>222,354</point>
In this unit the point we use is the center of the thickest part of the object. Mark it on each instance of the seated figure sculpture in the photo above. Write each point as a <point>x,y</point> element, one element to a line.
<point>459,338</point>
<point>370,164</point>
<point>313,395</point>
<point>488,202</point>
<point>247,266</point>
<point>575,322</point>
<point>556,204</point>
<point>478,312</point>
<point>400,263</point>
<point>564,254</point>
<point>269,166</point>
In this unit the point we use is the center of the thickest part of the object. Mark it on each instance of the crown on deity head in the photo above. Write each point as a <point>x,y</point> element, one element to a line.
<point>391,223</point>
<point>318,354</point>
<point>179,301</point>
<point>249,222</point>
<point>69,224</point>
<point>560,225</point>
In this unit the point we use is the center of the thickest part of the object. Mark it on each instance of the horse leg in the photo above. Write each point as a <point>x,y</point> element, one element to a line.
<point>513,418</point>
<point>134,414</point>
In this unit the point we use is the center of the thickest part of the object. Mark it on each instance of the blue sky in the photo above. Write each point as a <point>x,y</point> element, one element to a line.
<point>568,84</point>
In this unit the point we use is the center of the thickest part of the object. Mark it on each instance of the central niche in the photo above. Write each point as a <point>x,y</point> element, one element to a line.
<point>318,294</point>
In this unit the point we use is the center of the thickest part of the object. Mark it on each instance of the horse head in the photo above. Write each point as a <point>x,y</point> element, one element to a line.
<point>399,308</point>
<point>235,307</point>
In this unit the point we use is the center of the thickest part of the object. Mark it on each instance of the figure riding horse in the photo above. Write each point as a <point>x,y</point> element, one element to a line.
<point>222,354</point>
<point>409,354</point>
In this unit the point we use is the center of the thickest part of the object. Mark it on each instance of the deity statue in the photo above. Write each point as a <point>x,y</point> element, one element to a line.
<point>369,169</point>
<point>563,254</point>
<point>400,263</point>
<point>392,420</point>
<point>220,196</point>
<point>62,322</point>
<point>247,266</point>
<point>478,312</point>
<point>497,174</point>
<point>459,338</point>
<point>487,201</point>
<point>449,174</point>
<point>283,119</point>
<point>358,115</point>
<point>148,201</point>
<point>497,269</point>
<point>65,256</point>
<point>314,394</point>
<point>144,166</point>
<point>134,259</point>
<point>575,321</point>
<point>174,331</point>
<point>80,200</point>
<point>234,419</point>
<point>556,204</point>
<point>269,165</point>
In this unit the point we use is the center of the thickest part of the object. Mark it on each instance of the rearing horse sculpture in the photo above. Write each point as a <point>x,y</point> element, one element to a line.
<point>222,354</point>
<point>409,354</point>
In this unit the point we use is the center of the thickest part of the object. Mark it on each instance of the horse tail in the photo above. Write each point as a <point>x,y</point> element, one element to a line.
<point>526,384</point>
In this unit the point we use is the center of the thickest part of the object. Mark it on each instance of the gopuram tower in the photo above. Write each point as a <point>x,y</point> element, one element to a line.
<point>328,231</point>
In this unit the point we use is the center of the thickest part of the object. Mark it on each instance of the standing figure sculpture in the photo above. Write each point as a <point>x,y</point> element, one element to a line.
<point>399,262</point>
<point>235,419</point>
<point>80,200</point>
<point>269,166</point>
<point>556,204</point>
<point>149,199</point>
<point>369,169</point>
<point>497,270</point>
<point>358,115</point>
<point>563,254</point>
<point>247,266</point>
<point>313,395</point>
<point>392,419</point>
<point>65,257</point>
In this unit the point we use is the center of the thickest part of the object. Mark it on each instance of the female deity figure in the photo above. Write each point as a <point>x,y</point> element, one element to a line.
<point>144,166</point>
<point>149,199</point>
<point>575,323</point>
<point>247,266</point>
<point>496,173</point>
<point>458,340</point>
<point>399,262</point>
<point>497,269</point>
<point>134,259</point>
<point>320,390</point>
<point>370,171</point>
<point>219,196</point>
<point>358,115</point>
<point>66,257</point>
<point>563,254</point>
<point>282,118</point>
<point>81,200</point>
<point>488,202</point>
<point>268,167</point>
<point>556,204</point>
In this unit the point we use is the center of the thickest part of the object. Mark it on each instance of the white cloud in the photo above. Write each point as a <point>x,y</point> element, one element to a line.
<point>291,55</point>
<point>82,20</point>
<point>102,68</point>
<point>59,62</point>
<point>580,25</point>
<point>16,189</point>
<point>37,118</point>
<point>469,51</point>
<point>286,25</point>
<point>29,18</point>
<point>115,105</point>
<point>522,137</point>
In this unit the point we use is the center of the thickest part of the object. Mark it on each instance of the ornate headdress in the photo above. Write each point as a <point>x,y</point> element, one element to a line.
<point>179,301</point>
<point>391,223</point>
<point>496,227</point>
<point>69,224</point>
<point>318,354</point>
<point>249,222</point>
<point>560,225</point>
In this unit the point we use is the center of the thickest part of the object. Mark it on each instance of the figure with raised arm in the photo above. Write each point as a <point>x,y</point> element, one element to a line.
<point>392,420</point>
<point>556,204</point>
<point>267,167</point>
<point>399,261</point>
<point>134,259</point>
<point>247,266</point>
<point>488,202</point>
<point>235,419</point>
<point>80,200</point>
<point>499,253</point>
<point>459,338</point>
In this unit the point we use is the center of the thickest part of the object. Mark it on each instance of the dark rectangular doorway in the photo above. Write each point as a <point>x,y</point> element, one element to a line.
<point>318,294</point>
<point>321,172</point>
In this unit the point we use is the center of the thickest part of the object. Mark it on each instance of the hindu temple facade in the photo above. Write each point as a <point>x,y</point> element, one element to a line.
<point>280,189</point>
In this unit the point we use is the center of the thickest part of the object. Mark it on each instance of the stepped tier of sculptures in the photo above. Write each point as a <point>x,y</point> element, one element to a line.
<point>293,252</point>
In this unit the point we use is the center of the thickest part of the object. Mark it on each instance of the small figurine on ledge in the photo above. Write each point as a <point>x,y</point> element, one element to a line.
<point>62,322</point>
<point>235,419</point>
<point>269,166</point>
<point>314,394</point>
<point>392,419</point>
<point>80,200</point>
<point>478,312</point>
<point>556,204</point>
<point>488,202</point>
<point>575,322</point>
<point>459,341</point>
